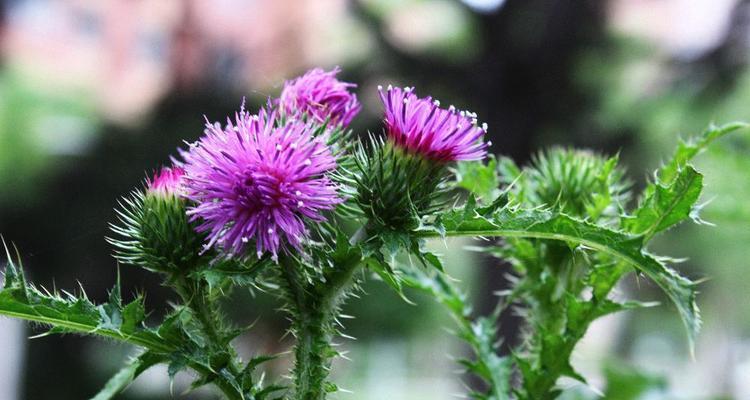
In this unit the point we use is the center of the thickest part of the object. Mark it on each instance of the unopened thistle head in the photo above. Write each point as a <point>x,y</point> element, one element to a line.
<point>421,127</point>
<point>256,181</point>
<point>320,96</point>
<point>580,183</point>
<point>154,231</point>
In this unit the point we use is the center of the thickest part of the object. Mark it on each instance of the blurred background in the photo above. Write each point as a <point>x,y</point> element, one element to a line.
<point>95,94</point>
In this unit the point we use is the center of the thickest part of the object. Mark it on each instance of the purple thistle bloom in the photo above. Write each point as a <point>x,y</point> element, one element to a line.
<point>321,96</point>
<point>420,126</point>
<point>167,182</point>
<point>255,180</point>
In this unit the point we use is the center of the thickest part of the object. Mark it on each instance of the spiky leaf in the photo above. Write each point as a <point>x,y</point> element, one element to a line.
<point>519,223</point>
<point>687,150</point>
<point>667,205</point>
<point>120,381</point>
<point>68,313</point>
<point>479,333</point>
<point>479,178</point>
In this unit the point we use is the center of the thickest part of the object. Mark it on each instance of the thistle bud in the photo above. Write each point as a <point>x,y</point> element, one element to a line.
<point>420,127</point>
<point>395,187</point>
<point>154,231</point>
<point>579,183</point>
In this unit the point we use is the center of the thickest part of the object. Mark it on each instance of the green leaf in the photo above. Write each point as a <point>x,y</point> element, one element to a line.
<point>478,178</point>
<point>388,274</point>
<point>628,383</point>
<point>671,198</point>
<point>176,340</point>
<point>541,224</point>
<point>127,374</point>
<point>233,272</point>
<point>345,252</point>
<point>667,205</point>
<point>133,314</point>
<point>67,313</point>
<point>687,150</point>
<point>250,384</point>
<point>608,179</point>
<point>479,333</point>
<point>433,260</point>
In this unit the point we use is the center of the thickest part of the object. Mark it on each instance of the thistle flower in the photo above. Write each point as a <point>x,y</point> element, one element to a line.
<point>420,126</point>
<point>167,182</point>
<point>321,96</point>
<point>255,180</point>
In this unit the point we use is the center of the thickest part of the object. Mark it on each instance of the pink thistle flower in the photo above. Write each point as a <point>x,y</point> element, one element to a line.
<point>167,182</point>
<point>254,180</point>
<point>420,126</point>
<point>321,96</point>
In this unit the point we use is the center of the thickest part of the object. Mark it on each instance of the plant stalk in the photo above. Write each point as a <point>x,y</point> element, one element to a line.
<point>193,295</point>
<point>314,313</point>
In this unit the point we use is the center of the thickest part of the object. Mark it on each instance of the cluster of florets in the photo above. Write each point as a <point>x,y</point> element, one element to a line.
<point>167,182</point>
<point>255,179</point>
<point>321,97</point>
<point>257,183</point>
<point>421,127</point>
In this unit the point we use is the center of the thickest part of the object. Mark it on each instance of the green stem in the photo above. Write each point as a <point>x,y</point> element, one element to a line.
<point>308,320</point>
<point>543,388</point>
<point>193,294</point>
<point>312,355</point>
<point>223,384</point>
<point>314,312</point>
<point>549,373</point>
<point>206,316</point>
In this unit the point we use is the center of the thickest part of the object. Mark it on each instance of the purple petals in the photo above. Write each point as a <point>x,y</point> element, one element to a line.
<point>420,126</point>
<point>255,181</point>
<point>320,96</point>
<point>167,182</point>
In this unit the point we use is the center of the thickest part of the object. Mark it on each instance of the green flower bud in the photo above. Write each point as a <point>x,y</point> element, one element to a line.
<point>579,183</point>
<point>396,187</point>
<point>154,231</point>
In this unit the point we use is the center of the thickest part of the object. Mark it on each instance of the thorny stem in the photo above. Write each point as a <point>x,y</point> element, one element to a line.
<point>543,388</point>
<point>193,296</point>
<point>313,318</point>
<point>226,386</point>
<point>309,368</point>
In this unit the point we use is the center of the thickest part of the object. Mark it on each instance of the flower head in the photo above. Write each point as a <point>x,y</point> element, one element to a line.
<point>420,126</point>
<point>153,230</point>
<point>255,180</point>
<point>166,182</point>
<point>321,96</point>
<point>580,183</point>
